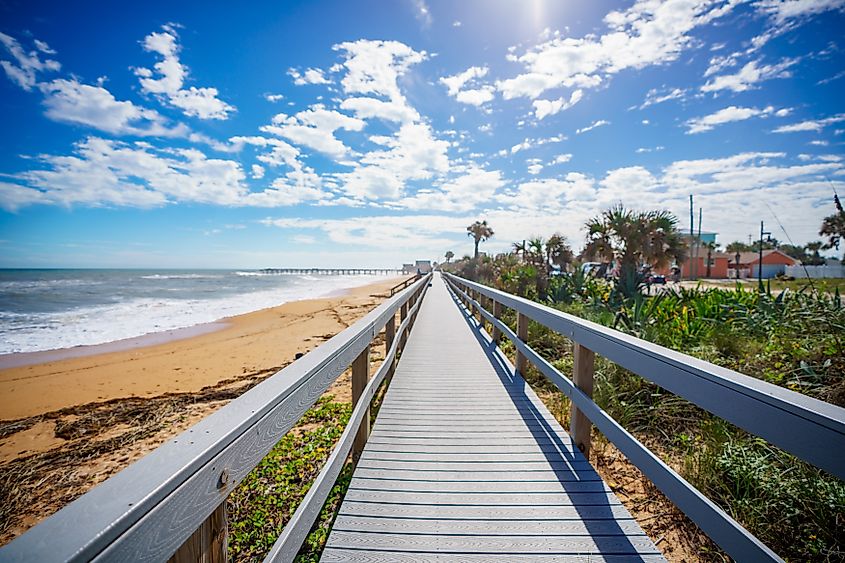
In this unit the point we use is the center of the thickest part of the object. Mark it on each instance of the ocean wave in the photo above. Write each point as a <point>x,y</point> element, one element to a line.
<point>143,315</point>
<point>180,277</point>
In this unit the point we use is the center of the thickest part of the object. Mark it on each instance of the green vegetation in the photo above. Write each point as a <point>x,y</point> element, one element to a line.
<point>795,339</point>
<point>267,498</point>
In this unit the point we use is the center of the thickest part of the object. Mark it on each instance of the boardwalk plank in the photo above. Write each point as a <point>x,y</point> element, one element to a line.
<point>465,463</point>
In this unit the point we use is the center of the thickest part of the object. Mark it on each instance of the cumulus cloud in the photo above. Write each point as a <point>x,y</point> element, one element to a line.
<point>24,67</point>
<point>545,108</point>
<point>648,33</point>
<point>749,75</point>
<point>104,172</point>
<point>70,101</point>
<point>167,79</point>
<point>478,94</point>
<point>368,108</point>
<point>374,67</point>
<point>310,76</point>
<point>412,154</point>
<point>315,128</point>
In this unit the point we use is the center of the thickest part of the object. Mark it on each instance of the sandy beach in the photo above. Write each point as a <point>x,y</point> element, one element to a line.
<point>78,420</point>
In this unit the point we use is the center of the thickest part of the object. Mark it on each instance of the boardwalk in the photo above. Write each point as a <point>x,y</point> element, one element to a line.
<point>465,463</point>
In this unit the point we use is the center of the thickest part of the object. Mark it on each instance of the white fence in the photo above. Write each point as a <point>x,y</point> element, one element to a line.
<point>825,271</point>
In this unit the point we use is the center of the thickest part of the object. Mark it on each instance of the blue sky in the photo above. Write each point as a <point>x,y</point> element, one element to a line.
<point>188,135</point>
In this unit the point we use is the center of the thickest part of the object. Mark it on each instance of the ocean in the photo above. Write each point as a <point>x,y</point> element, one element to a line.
<point>50,309</point>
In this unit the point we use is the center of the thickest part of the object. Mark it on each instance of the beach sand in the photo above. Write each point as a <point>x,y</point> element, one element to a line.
<point>76,421</point>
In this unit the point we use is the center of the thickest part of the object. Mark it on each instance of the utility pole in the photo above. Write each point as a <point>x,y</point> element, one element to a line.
<point>698,242</point>
<point>691,236</point>
<point>760,260</point>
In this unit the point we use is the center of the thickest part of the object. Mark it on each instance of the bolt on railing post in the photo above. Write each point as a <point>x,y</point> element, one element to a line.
<point>209,543</point>
<point>497,312</point>
<point>360,376</point>
<point>522,334</point>
<point>582,376</point>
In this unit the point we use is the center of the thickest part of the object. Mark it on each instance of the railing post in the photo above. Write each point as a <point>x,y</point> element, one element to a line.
<point>360,376</point>
<point>389,333</point>
<point>497,312</point>
<point>582,375</point>
<point>209,543</point>
<point>522,334</point>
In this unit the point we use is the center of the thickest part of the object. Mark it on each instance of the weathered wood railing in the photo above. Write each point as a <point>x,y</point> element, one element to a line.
<point>171,501</point>
<point>808,428</point>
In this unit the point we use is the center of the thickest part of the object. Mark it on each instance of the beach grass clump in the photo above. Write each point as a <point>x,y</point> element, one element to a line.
<point>267,498</point>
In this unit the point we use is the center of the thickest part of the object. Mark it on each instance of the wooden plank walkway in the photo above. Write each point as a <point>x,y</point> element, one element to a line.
<point>465,463</point>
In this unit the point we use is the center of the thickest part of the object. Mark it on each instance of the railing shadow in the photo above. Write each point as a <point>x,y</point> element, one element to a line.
<point>564,457</point>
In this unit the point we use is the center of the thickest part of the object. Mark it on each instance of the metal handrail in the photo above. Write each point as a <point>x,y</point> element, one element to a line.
<point>776,414</point>
<point>148,510</point>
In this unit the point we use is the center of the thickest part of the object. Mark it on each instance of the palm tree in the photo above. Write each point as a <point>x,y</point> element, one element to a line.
<point>558,251</point>
<point>634,239</point>
<point>449,255</point>
<point>833,227</point>
<point>710,246</point>
<point>480,231</point>
<point>814,247</point>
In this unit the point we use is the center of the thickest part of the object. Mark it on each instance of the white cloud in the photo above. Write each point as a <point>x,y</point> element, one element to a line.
<point>811,125</point>
<point>103,172</point>
<point>474,187</point>
<point>72,102</point>
<point>591,126</point>
<point>310,76</point>
<point>456,23</point>
<point>549,194</point>
<point>642,150</point>
<point>783,10</point>
<point>528,143</point>
<point>315,128</point>
<point>374,67</point>
<point>725,115</point>
<point>476,96</point>
<point>168,85</point>
<point>26,66</point>
<point>412,154</point>
<point>562,158</point>
<point>273,98</point>
<point>648,33</point>
<point>381,231</point>
<point>367,108</point>
<point>544,108</point>
<point>422,12</point>
<point>749,75</point>
<point>655,96</point>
